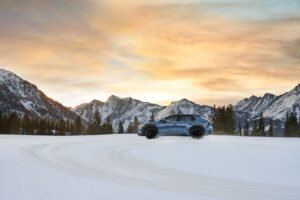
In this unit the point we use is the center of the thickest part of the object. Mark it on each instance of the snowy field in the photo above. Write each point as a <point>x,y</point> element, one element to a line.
<point>131,167</point>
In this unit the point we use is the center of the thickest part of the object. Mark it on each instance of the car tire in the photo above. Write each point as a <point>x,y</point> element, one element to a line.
<point>151,132</point>
<point>197,132</point>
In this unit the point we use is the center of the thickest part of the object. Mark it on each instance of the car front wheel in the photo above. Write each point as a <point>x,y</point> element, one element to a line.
<point>151,133</point>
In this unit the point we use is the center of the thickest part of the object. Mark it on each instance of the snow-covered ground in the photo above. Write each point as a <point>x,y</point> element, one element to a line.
<point>131,167</point>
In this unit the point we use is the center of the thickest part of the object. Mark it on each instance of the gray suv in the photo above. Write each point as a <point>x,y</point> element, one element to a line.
<point>190,125</point>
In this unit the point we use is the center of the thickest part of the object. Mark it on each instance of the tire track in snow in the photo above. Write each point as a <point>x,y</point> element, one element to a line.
<point>117,164</point>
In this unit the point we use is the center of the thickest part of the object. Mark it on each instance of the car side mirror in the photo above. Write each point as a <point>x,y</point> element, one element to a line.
<point>163,121</point>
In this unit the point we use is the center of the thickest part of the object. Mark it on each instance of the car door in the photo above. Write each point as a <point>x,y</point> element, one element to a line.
<point>169,125</point>
<point>184,123</point>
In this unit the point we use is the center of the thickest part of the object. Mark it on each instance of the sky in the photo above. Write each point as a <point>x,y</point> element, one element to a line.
<point>208,51</point>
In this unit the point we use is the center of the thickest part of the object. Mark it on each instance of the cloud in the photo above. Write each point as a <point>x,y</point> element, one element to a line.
<point>169,49</point>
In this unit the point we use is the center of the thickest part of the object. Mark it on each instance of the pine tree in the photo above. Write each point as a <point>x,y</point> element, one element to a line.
<point>240,128</point>
<point>291,125</point>
<point>50,127</point>
<point>261,125</point>
<point>94,126</point>
<point>255,129</point>
<point>120,127</point>
<point>271,131</point>
<point>1,123</point>
<point>246,128</point>
<point>5,125</point>
<point>107,127</point>
<point>135,124</point>
<point>61,127</point>
<point>78,127</point>
<point>26,124</point>
<point>286,126</point>
<point>130,128</point>
<point>298,134</point>
<point>152,117</point>
<point>14,124</point>
<point>223,120</point>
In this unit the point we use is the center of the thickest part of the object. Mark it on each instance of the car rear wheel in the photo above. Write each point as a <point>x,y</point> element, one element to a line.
<point>197,133</point>
<point>151,133</point>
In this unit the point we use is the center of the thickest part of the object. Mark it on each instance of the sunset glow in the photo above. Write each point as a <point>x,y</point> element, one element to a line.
<point>211,52</point>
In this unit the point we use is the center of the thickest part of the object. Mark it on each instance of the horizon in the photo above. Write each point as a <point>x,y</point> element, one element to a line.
<point>209,52</point>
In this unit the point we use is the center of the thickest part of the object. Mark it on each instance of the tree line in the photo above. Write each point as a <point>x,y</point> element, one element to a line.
<point>14,124</point>
<point>224,122</point>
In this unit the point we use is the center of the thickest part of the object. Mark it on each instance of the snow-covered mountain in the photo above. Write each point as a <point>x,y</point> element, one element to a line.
<point>274,107</point>
<point>288,102</point>
<point>20,96</point>
<point>125,109</point>
<point>185,106</point>
<point>255,105</point>
<point>118,109</point>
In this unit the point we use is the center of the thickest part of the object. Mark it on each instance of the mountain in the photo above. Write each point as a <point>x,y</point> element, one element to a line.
<point>20,96</point>
<point>125,109</point>
<point>288,102</point>
<point>118,109</point>
<point>272,106</point>
<point>185,106</point>
<point>255,105</point>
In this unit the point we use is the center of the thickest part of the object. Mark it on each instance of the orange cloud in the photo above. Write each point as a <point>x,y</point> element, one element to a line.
<point>152,51</point>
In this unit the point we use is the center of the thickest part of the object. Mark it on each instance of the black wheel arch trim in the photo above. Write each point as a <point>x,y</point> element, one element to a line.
<point>198,127</point>
<point>149,126</point>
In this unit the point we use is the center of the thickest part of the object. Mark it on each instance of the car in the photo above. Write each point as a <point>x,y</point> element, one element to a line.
<point>189,125</point>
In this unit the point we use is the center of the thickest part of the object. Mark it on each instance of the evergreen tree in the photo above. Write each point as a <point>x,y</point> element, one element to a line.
<point>291,125</point>
<point>14,124</point>
<point>135,124</point>
<point>240,128</point>
<point>107,127</point>
<point>130,128</point>
<point>61,127</point>
<point>271,131</point>
<point>223,120</point>
<point>246,128</point>
<point>261,126</point>
<point>298,134</point>
<point>94,126</point>
<point>78,127</point>
<point>255,129</point>
<point>26,124</point>
<point>50,127</point>
<point>120,127</point>
<point>5,125</point>
<point>152,117</point>
<point>42,127</point>
<point>1,123</point>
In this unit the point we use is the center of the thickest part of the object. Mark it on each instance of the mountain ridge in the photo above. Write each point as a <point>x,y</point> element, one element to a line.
<point>20,96</point>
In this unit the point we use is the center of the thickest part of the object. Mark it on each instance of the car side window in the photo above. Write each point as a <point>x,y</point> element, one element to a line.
<point>171,118</point>
<point>186,118</point>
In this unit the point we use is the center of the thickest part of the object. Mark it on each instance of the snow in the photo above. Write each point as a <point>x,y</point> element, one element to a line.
<point>132,167</point>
